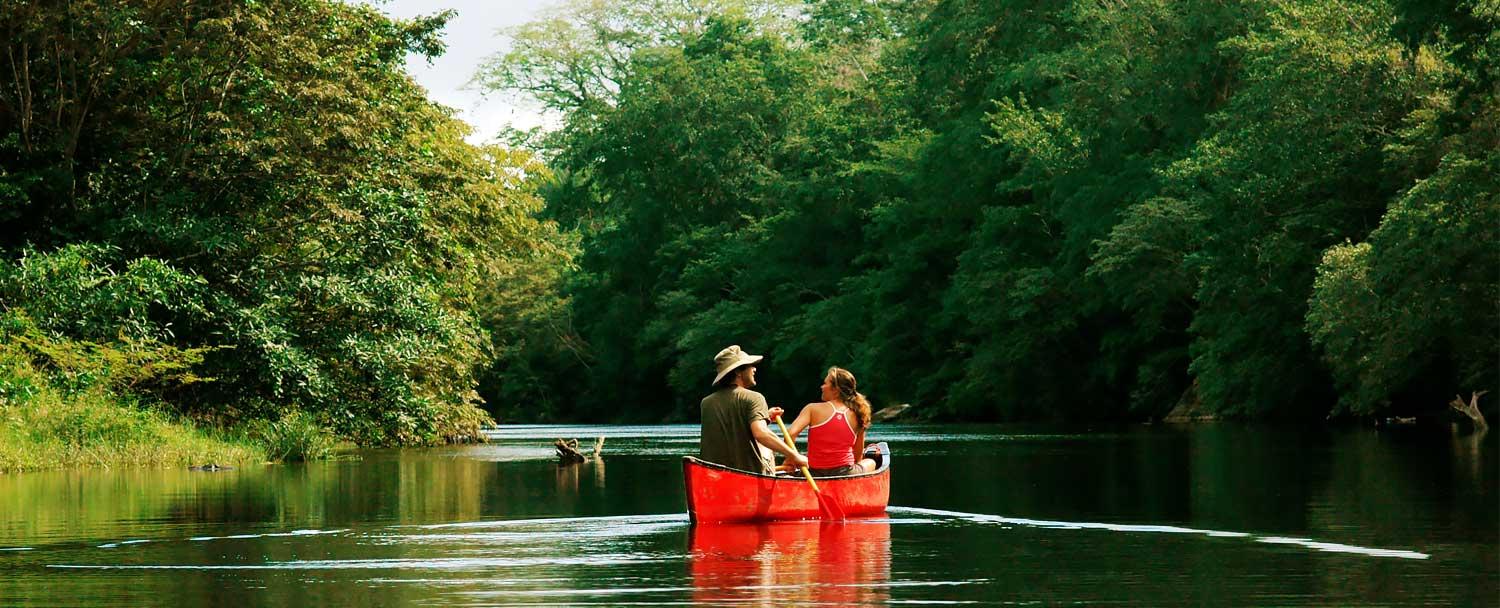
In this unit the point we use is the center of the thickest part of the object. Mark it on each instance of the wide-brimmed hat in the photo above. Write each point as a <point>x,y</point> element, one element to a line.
<point>730,359</point>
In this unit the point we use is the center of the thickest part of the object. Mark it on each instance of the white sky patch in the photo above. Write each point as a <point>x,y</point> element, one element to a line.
<point>472,35</point>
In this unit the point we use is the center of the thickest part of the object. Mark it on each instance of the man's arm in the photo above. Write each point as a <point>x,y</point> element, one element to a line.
<point>765,437</point>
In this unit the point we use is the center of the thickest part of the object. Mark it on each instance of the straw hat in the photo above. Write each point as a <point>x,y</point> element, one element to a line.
<point>730,359</point>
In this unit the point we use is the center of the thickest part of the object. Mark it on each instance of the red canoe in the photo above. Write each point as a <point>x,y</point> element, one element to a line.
<point>719,494</point>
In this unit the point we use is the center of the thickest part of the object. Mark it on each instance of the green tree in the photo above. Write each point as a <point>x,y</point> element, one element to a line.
<point>1329,73</point>
<point>336,229</point>
<point>1407,316</point>
<point>1413,306</point>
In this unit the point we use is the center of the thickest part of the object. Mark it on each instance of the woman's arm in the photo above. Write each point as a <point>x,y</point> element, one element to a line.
<point>804,418</point>
<point>859,445</point>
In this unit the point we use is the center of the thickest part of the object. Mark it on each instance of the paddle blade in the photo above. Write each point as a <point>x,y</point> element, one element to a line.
<point>830,508</point>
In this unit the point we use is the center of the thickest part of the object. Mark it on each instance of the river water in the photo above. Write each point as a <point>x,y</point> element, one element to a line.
<point>980,515</point>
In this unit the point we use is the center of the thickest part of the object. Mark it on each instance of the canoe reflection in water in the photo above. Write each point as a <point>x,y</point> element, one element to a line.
<point>792,562</point>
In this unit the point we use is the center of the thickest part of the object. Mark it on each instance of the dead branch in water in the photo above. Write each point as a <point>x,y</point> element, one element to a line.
<point>1471,409</point>
<point>568,452</point>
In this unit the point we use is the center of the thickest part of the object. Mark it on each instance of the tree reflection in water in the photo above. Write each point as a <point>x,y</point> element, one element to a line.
<point>783,563</point>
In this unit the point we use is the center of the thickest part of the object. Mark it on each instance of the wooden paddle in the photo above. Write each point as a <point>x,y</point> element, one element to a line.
<point>826,504</point>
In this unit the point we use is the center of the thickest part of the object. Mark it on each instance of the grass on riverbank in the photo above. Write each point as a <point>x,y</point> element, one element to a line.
<point>295,437</point>
<point>70,403</point>
<point>48,429</point>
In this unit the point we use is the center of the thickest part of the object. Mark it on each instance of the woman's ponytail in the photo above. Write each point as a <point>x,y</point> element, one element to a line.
<point>861,407</point>
<point>842,380</point>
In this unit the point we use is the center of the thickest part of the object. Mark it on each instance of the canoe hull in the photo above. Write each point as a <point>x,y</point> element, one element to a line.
<point>718,494</point>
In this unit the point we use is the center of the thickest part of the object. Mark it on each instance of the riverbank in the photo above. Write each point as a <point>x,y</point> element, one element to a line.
<point>80,404</point>
<point>48,429</point>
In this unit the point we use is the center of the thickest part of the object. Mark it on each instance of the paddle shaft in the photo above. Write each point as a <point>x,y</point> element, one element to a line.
<point>792,443</point>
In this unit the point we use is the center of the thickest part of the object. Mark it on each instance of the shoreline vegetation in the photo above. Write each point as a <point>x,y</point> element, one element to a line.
<point>69,404</point>
<point>74,404</point>
<point>93,430</point>
<point>43,427</point>
<point>240,232</point>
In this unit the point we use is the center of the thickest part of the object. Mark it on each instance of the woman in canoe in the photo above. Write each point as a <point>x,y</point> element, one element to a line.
<point>836,428</point>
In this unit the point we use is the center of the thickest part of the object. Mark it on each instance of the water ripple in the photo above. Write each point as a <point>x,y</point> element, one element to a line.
<point>412,564</point>
<point>269,534</point>
<point>1070,525</point>
<point>546,521</point>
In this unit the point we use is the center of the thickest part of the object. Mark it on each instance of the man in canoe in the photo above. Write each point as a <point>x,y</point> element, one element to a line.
<point>734,431</point>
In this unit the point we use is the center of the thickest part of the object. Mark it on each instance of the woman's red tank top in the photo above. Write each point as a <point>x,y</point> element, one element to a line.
<point>830,444</point>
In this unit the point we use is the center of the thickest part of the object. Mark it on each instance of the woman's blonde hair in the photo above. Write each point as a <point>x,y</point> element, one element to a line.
<point>843,382</point>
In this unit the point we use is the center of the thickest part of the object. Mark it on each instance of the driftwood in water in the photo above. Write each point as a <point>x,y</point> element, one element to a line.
<point>1471,409</point>
<point>568,452</point>
<point>889,413</point>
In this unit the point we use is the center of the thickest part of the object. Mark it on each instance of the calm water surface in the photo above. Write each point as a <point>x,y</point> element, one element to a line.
<point>980,515</point>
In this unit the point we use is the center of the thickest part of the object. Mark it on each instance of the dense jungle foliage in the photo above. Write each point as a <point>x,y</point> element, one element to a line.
<point>257,194</point>
<point>246,215</point>
<point>1019,210</point>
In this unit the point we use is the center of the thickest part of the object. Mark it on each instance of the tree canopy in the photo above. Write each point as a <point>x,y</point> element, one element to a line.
<point>993,209</point>
<point>1015,210</point>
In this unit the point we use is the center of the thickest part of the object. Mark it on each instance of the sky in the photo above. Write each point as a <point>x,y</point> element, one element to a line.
<point>471,35</point>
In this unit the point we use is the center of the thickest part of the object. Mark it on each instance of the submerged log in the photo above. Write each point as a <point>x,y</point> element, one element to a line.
<point>1471,409</point>
<point>568,452</point>
<point>889,413</point>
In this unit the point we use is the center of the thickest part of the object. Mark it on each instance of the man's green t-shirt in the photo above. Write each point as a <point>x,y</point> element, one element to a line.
<point>726,439</point>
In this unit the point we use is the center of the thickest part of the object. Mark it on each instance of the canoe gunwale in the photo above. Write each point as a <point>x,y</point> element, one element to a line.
<point>885,465</point>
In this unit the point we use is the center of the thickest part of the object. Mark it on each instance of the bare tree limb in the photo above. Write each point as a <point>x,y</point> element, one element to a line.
<point>1471,408</point>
